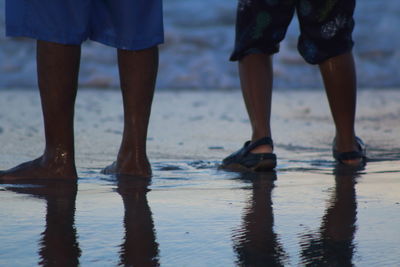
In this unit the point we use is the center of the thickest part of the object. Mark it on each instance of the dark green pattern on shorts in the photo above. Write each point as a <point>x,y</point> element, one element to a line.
<point>326,27</point>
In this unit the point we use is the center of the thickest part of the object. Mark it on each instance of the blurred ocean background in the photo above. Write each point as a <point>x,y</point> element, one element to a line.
<point>199,38</point>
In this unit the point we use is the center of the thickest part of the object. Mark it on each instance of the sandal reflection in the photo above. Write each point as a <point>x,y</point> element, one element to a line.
<point>58,244</point>
<point>139,247</point>
<point>333,244</point>
<point>255,243</point>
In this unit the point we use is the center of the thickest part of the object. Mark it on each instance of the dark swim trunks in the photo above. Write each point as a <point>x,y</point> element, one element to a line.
<point>326,27</point>
<point>125,24</point>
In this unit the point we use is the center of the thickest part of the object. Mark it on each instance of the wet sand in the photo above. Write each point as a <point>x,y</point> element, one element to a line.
<point>192,214</point>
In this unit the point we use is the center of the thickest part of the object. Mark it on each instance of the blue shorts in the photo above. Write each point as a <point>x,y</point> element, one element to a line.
<point>124,24</point>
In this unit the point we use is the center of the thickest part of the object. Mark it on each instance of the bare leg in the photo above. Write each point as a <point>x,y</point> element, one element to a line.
<point>339,77</point>
<point>255,72</point>
<point>58,68</point>
<point>138,72</point>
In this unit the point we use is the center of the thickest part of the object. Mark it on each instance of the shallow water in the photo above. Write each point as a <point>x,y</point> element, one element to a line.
<point>192,214</point>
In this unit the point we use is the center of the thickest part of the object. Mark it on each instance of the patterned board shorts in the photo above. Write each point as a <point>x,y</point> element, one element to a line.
<point>125,24</point>
<point>326,27</point>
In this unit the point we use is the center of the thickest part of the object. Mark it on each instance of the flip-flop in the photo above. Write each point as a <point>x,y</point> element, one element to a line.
<point>243,159</point>
<point>357,154</point>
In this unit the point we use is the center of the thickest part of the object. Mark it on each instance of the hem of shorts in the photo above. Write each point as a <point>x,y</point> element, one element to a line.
<point>70,40</point>
<point>67,39</point>
<point>128,44</point>
<point>337,53</point>
<point>236,56</point>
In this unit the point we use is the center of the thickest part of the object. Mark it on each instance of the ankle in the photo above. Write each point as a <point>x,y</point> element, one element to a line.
<point>262,149</point>
<point>58,157</point>
<point>131,154</point>
<point>258,134</point>
<point>345,144</point>
<point>133,164</point>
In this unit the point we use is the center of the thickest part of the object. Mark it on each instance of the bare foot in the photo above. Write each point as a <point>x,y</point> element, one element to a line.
<point>131,167</point>
<point>38,169</point>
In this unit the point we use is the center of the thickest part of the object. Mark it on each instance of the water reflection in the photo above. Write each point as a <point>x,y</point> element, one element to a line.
<point>255,243</point>
<point>139,247</point>
<point>58,245</point>
<point>333,244</point>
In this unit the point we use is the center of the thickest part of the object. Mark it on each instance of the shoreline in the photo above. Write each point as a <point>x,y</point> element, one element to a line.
<point>200,125</point>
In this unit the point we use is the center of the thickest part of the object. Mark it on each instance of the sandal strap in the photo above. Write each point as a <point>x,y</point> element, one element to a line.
<point>262,141</point>
<point>360,153</point>
<point>350,155</point>
<point>360,144</point>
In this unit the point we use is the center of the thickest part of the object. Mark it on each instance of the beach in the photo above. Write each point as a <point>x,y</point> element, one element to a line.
<point>310,211</point>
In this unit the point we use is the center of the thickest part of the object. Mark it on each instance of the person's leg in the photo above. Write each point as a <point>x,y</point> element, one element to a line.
<point>326,40</point>
<point>138,72</point>
<point>339,77</point>
<point>260,27</point>
<point>58,68</point>
<point>255,71</point>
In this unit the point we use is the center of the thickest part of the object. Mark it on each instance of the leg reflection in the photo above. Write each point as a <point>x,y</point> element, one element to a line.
<point>58,245</point>
<point>255,243</point>
<point>139,247</point>
<point>333,244</point>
